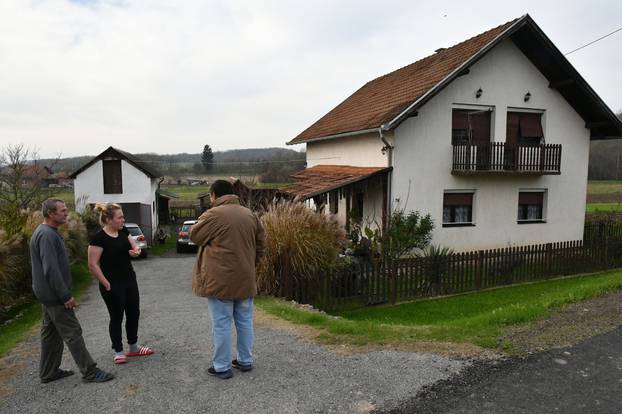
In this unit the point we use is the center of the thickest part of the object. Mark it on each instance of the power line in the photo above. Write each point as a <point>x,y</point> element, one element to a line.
<point>593,41</point>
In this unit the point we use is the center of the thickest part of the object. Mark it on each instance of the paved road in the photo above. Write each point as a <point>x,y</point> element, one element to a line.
<point>291,375</point>
<point>585,378</point>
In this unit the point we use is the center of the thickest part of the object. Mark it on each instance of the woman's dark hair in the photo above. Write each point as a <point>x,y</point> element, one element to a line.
<point>221,187</point>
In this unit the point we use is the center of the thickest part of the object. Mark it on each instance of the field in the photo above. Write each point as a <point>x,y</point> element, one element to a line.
<point>604,197</point>
<point>187,194</point>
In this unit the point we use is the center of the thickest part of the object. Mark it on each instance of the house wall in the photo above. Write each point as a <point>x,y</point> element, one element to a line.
<point>137,188</point>
<point>372,205</point>
<point>358,151</point>
<point>423,158</point>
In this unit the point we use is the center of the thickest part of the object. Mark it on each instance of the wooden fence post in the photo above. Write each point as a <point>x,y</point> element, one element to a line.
<point>393,285</point>
<point>548,259</point>
<point>478,269</point>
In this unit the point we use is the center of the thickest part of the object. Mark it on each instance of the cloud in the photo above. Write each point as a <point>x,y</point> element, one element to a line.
<point>164,76</point>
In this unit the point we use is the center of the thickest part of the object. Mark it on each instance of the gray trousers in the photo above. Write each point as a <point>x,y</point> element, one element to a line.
<point>61,325</point>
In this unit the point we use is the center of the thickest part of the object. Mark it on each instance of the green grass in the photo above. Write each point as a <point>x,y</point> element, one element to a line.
<point>479,318</point>
<point>19,328</point>
<point>186,192</point>
<point>604,208</point>
<point>160,249</point>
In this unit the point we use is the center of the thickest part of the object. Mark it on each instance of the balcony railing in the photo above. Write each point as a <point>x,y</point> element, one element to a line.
<point>498,157</point>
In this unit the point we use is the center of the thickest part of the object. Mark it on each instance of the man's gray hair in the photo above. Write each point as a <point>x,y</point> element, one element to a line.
<point>49,206</point>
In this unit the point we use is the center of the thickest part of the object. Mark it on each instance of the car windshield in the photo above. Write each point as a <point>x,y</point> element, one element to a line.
<point>186,227</point>
<point>134,231</point>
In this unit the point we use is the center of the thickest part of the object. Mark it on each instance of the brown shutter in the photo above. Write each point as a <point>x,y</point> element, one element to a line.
<point>458,199</point>
<point>480,125</point>
<point>531,125</point>
<point>459,119</point>
<point>512,128</point>
<point>112,177</point>
<point>533,198</point>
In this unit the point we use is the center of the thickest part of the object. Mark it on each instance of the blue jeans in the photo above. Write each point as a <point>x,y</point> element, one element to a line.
<point>222,313</point>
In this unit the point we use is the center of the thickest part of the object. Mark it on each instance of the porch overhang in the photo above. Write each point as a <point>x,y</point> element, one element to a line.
<point>321,179</point>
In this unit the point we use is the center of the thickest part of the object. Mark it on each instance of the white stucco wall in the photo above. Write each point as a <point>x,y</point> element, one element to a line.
<point>358,151</point>
<point>137,188</point>
<point>423,158</point>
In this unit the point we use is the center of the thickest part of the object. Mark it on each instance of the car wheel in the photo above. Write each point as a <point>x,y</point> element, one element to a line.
<point>143,254</point>
<point>179,249</point>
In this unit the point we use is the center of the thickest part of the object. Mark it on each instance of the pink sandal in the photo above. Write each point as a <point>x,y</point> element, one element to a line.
<point>119,359</point>
<point>142,351</point>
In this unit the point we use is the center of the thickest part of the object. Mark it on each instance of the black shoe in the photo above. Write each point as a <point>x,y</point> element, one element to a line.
<point>241,367</point>
<point>58,375</point>
<point>222,375</point>
<point>98,376</point>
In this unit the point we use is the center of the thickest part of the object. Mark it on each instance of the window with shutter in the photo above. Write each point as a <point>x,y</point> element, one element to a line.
<point>113,183</point>
<point>524,128</point>
<point>457,209</point>
<point>531,206</point>
<point>470,126</point>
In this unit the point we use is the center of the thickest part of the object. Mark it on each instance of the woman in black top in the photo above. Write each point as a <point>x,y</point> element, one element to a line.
<point>110,251</point>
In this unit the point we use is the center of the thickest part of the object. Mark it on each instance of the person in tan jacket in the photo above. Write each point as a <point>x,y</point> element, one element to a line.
<point>231,241</point>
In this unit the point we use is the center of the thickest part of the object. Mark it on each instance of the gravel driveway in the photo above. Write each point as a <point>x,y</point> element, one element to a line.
<point>291,375</point>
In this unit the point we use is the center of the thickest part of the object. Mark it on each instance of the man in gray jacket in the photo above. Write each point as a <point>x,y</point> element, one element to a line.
<point>51,284</point>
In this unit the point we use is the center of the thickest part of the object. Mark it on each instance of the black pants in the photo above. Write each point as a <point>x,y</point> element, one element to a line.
<point>121,299</point>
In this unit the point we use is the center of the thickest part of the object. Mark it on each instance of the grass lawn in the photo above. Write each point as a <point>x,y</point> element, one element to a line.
<point>604,208</point>
<point>19,328</point>
<point>160,249</point>
<point>479,318</point>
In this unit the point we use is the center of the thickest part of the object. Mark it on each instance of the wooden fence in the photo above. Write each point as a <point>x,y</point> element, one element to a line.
<point>375,282</point>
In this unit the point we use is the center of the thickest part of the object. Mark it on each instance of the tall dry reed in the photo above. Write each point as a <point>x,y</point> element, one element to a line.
<point>299,244</point>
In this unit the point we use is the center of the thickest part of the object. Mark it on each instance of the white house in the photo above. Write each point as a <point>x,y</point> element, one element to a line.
<point>116,176</point>
<point>490,137</point>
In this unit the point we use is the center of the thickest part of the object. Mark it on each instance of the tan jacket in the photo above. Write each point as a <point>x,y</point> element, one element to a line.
<point>231,240</point>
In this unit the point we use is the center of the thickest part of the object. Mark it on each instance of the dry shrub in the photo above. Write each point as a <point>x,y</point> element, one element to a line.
<point>299,244</point>
<point>14,268</point>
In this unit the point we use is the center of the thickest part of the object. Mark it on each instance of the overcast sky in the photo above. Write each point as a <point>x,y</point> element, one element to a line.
<point>170,76</point>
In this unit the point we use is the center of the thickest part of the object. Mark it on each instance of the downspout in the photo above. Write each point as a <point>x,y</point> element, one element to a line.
<point>387,149</point>
<point>157,212</point>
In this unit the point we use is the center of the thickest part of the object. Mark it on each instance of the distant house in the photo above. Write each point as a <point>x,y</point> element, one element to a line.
<point>119,177</point>
<point>490,136</point>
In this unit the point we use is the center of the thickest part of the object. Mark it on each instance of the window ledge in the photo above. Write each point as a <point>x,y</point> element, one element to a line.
<point>530,221</point>
<point>458,224</point>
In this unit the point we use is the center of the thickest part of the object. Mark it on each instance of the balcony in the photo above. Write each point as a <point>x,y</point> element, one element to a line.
<point>499,158</point>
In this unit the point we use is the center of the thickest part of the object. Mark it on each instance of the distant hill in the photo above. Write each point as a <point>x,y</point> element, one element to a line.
<point>279,161</point>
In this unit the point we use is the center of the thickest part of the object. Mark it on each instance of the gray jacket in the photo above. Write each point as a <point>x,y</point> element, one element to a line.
<point>51,276</point>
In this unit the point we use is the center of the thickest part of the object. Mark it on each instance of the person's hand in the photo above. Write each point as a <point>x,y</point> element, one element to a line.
<point>135,252</point>
<point>71,303</point>
<point>106,285</point>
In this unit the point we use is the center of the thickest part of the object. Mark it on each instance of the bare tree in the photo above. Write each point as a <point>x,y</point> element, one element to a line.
<point>21,185</point>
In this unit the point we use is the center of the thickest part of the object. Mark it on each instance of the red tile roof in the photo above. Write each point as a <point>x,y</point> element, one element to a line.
<point>382,99</point>
<point>323,178</point>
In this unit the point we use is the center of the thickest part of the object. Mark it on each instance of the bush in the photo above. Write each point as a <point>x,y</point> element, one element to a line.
<point>15,276</point>
<point>300,243</point>
<point>15,270</point>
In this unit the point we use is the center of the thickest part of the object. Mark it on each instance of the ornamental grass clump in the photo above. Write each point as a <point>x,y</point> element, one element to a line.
<point>300,244</point>
<point>14,268</point>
